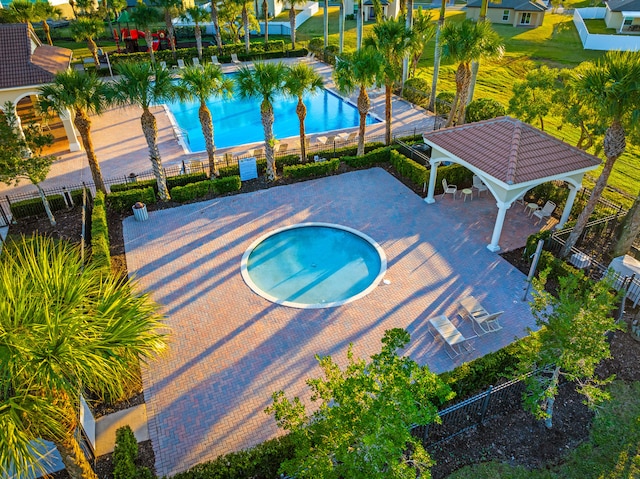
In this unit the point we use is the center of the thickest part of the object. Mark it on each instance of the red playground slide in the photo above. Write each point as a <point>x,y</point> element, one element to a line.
<point>133,34</point>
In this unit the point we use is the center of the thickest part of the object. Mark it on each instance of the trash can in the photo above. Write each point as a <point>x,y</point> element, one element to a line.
<point>140,212</point>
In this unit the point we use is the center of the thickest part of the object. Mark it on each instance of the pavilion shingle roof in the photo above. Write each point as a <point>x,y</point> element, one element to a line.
<point>517,5</point>
<point>510,150</point>
<point>19,66</point>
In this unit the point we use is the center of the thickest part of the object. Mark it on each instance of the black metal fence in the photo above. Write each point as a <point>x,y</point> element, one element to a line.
<point>472,412</point>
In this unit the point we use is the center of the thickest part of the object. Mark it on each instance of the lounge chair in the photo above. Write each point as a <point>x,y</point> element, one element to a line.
<point>352,136</point>
<point>258,152</point>
<point>452,189</point>
<point>234,59</point>
<point>545,211</point>
<point>196,166</point>
<point>310,57</point>
<point>196,62</point>
<point>181,64</point>
<point>283,148</point>
<point>479,185</point>
<point>448,332</point>
<point>214,60</point>
<point>480,318</point>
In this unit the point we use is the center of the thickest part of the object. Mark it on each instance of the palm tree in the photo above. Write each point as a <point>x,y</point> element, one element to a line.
<point>265,14</point>
<point>44,11</point>
<point>201,84</point>
<point>84,94</point>
<point>245,22</point>
<point>216,25</point>
<point>264,80</point>
<point>86,336</point>
<point>359,71</point>
<point>475,65</point>
<point>423,31</point>
<point>359,25</point>
<point>436,57</point>
<point>198,15</point>
<point>391,39</point>
<point>301,79</point>
<point>142,85</point>
<point>341,21</point>
<point>325,22</point>
<point>170,9</point>
<point>463,43</point>
<point>611,88</point>
<point>292,19</point>
<point>145,16</point>
<point>86,29</point>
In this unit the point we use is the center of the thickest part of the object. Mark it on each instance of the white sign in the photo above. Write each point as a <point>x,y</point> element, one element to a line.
<point>88,422</point>
<point>248,169</point>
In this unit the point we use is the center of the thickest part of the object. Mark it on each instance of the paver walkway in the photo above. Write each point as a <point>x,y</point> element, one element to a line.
<point>230,349</point>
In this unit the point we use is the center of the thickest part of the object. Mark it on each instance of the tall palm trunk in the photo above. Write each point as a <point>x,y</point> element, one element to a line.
<point>301,110</point>
<point>456,115</point>
<point>436,59</point>
<point>45,203</point>
<point>199,40</point>
<point>266,112</point>
<point>359,25</point>
<point>341,25</point>
<point>325,23</point>
<point>148,37</point>
<point>475,65</point>
<point>409,25</point>
<point>629,230</point>
<point>216,25</point>
<point>83,124</point>
<point>265,13</point>
<point>245,23</point>
<point>388,90</point>
<point>170,33</point>
<point>73,458</point>
<point>292,23</point>
<point>614,145</point>
<point>93,49</point>
<point>150,130</point>
<point>363,108</point>
<point>206,122</point>
<point>47,31</point>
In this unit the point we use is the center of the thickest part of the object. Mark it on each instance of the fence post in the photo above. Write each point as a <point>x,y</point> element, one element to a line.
<point>425,434</point>
<point>485,404</point>
<point>5,218</point>
<point>67,197</point>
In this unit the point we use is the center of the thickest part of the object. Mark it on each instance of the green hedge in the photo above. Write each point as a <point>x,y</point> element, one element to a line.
<point>408,168</point>
<point>372,158</point>
<point>100,232</point>
<point>227,185</point>
<point>455,175</point>
<point>123,201</point>
<point>309,170</point>
<point>172,182</point>
<point>191,191</point>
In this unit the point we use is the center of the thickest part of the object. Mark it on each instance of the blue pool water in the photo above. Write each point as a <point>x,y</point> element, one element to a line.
<point>313,265</point>
<point>236,121</point>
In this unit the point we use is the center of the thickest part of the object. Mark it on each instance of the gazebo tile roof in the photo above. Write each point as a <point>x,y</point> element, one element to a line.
<point>19,66</point>
<point>511,151</point>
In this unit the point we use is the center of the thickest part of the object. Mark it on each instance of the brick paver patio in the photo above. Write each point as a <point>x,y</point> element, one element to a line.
<point>230,349</point>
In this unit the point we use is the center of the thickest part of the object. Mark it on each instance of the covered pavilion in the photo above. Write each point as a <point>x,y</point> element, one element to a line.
<point>26,65</point>
<point>510,157</point>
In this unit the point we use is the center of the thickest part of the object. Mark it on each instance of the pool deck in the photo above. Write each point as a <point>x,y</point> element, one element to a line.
<point>121,148</point>
<point>230,349</point>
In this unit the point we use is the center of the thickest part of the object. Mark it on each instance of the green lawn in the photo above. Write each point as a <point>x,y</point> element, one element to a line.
<point>613,450</point>
<point>599,27</point>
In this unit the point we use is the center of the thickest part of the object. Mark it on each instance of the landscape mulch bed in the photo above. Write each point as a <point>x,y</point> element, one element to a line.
<point>512,436</point>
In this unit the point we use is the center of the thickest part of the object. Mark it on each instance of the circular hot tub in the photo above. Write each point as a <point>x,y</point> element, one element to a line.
<point>313,265</point>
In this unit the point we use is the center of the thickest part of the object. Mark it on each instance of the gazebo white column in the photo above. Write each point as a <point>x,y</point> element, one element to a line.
<point>567,207</point>
<point>74,145</point>
<point>497,228</point>
<point>433,174</point>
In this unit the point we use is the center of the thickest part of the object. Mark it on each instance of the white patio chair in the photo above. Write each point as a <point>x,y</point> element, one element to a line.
<point>479,185</point>
<point>196,62</point>
<point>544,212</point>
<point>482,321</point>
<point>214,60</point>
<point>181,64</point>
<point>234,59</point>
<point>452,189</point>
<point>163,65</point>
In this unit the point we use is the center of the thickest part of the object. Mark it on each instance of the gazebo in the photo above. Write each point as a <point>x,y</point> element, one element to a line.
<point>26,64</point>
<point>510,157</point>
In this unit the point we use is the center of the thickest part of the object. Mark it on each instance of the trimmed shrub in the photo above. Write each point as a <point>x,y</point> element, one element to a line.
<point>134,185</point>
<point>308,170</point>
<point>100,232</point>
<point>454,174</point>
<point>417,91</point>
<point>181,180</point>
<point>123,201</point>
<point>227,185</point>
<point>172,182</point>
<point>484,109</point>
<point>125,454</point>
<point>444,100</point>
<point>409,169</point>
<point>34,206</point>
<point>191,191</point>
<point>372,158</point>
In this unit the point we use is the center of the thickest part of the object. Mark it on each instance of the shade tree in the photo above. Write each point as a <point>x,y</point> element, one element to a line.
<point>533,97</point>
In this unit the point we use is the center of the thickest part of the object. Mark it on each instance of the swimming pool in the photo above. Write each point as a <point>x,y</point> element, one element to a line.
<point>237,121</point>
<point>313,265</point>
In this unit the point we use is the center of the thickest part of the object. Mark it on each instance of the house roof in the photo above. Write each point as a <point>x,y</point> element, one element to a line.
<point>22,66</point>
<point>511,151</point>
<point>517,5</point>
<point>626,5</point>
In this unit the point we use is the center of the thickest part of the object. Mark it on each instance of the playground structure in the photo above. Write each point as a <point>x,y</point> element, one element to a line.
<point>130,36</point>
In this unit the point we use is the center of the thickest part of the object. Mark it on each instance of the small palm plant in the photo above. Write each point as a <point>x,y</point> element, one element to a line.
<point>145,16</point>
<point>197,14</point>
<point>87,29</point>
<point>292,19</point>
<point>301,79</point>
<point>264,80</point>
<point>201,84</point>
<point>139,84</point>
